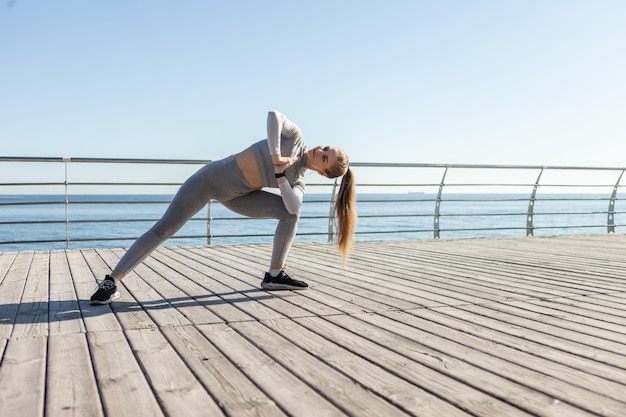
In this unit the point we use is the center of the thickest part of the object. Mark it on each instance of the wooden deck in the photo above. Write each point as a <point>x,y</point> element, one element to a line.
<point>478,327</point>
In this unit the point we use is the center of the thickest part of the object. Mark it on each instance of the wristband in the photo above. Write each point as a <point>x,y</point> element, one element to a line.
<point>279,175</point>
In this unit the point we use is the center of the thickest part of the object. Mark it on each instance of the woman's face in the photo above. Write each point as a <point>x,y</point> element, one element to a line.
<point>322,158</point>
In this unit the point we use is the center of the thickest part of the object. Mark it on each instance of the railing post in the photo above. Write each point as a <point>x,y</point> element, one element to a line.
<point>66,162</point>
<point>610,225</point>
<point>436,230</point>
<point>208,223</point>
<point>331,214</point>
<point>530,226</point>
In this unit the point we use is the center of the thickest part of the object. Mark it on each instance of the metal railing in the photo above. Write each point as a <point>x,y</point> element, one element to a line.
<point>396,200</point>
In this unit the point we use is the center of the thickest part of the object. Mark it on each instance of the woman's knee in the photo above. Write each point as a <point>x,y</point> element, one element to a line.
<point>161,232</point>
<point>287,217</point>
<point>165,228</point>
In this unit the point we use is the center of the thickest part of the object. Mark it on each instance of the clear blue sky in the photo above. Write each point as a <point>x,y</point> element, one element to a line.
<point>494,82</point>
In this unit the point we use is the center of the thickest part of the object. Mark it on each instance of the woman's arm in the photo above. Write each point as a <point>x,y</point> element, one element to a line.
<point>292,197</point>
<point>277,125</point>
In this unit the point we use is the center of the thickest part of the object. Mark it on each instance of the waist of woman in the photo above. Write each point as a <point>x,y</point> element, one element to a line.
<point>249,166</point>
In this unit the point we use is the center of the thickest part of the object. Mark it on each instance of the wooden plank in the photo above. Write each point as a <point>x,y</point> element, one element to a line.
<point>578,312</point>
<point>383,367</point>
<point>422,276</point>
<point>11,290</point>
<point>555,325</point>
<point>95,318</point>
<point>70,382</point>
<point>177,389</point>
<point>343,283</point>
<point>502,371</point>
<point>3,345</point>
<point>560,251</point>
<point>277,303</point>
<point>479,276</point>
<point>531,252</point>
<point>464,263</point>
<point>597,306</point>
<point>538,346</point>
<point>142,307</point>
<point>410,284</point>
<point>488,371</point>
<point>240,285</point>
<point>22,377</point>
<point>32,315</point>
<point>386,384</point>
<point>118,375</point>
<point>477,317</point>
<point>64,316</point>
<point>7,307</point>
<point>533,256</point>
<point>320,301</point>
<point>237,395</point>
<point>166,281</point>
<point>6,260</point>
<point>617,297</point>
<point>294,396</point>
<point>199,282</point>
<point>128,311</point>
<point>343,391</point>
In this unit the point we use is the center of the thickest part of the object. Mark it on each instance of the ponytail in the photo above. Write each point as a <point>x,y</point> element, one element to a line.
<point>345,210</point>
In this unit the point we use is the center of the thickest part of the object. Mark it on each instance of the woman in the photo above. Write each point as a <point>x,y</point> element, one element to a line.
<point>277,162</point>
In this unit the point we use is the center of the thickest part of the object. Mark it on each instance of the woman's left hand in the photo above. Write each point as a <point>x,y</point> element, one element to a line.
<point>281,163</point>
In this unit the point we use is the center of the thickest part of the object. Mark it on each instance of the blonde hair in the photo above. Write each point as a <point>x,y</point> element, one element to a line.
<point>345,203</point>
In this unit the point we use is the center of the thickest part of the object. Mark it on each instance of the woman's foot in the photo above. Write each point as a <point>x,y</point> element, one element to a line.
<point>107,292</point>
<point>282,282</point>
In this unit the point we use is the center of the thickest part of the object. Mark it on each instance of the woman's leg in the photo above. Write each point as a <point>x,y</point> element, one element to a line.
<point>220,180</point>
<point>267,205</point>
<point>261,204</point>
<point>190,198</point>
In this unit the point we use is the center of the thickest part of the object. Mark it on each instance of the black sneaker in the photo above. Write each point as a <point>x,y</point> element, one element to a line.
<point>107,292</point>
<point>282,282</point>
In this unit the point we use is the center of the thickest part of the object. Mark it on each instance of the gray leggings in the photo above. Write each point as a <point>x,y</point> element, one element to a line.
<point>222,181</point>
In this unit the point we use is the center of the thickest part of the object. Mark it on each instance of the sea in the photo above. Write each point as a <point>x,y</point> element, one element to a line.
<point>42,222</point>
